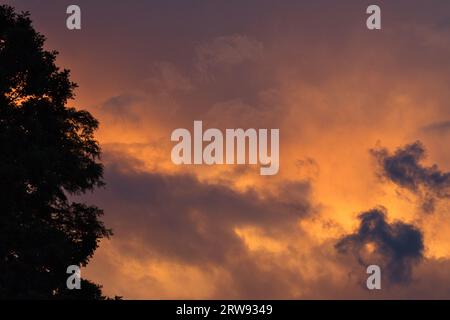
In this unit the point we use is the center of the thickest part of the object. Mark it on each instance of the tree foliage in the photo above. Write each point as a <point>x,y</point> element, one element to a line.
<point>48,154</point>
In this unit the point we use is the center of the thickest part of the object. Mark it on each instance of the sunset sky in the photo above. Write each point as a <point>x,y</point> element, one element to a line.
<point>351,105</point>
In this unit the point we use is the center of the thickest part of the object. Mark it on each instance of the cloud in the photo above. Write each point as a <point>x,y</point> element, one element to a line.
<point>330,88</point>
<point>173,229</point>
<point>228,51</point>
<point>440,127</point>
<point>181,218</point>
<point>121,106</point>
<point>404,168</point>
<point>177,219</point>
<point>167,78</point>
<point>395,247</point>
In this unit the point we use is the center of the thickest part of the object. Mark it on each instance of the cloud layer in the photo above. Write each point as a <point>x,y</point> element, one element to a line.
<point>333,88</point>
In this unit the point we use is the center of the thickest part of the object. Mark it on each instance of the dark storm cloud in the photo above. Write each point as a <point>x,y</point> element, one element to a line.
<point>404,168</point>
<point>181,218</point>
<point>396,247</point>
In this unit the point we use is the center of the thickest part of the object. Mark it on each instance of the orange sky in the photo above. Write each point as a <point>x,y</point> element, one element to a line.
<point>310,68</point>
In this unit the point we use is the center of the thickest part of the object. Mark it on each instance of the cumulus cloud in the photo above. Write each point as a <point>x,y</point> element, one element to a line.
<point>179,219</point>
<point>185,219</point>
<point>395,247</point>
<point>404,168</point>
<point>244,244</point>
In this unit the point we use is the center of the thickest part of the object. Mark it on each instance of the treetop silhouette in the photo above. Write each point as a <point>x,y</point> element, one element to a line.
<point>48,152</point>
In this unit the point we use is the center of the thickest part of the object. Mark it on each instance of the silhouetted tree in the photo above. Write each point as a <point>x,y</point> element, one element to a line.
<point>47,153</point>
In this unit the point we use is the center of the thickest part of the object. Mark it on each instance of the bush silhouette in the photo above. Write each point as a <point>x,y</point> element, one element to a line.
<point>48,153</point>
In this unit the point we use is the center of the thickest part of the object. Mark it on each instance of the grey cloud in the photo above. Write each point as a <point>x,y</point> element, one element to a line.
<point>404,168</point>
<point>397,246</point>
